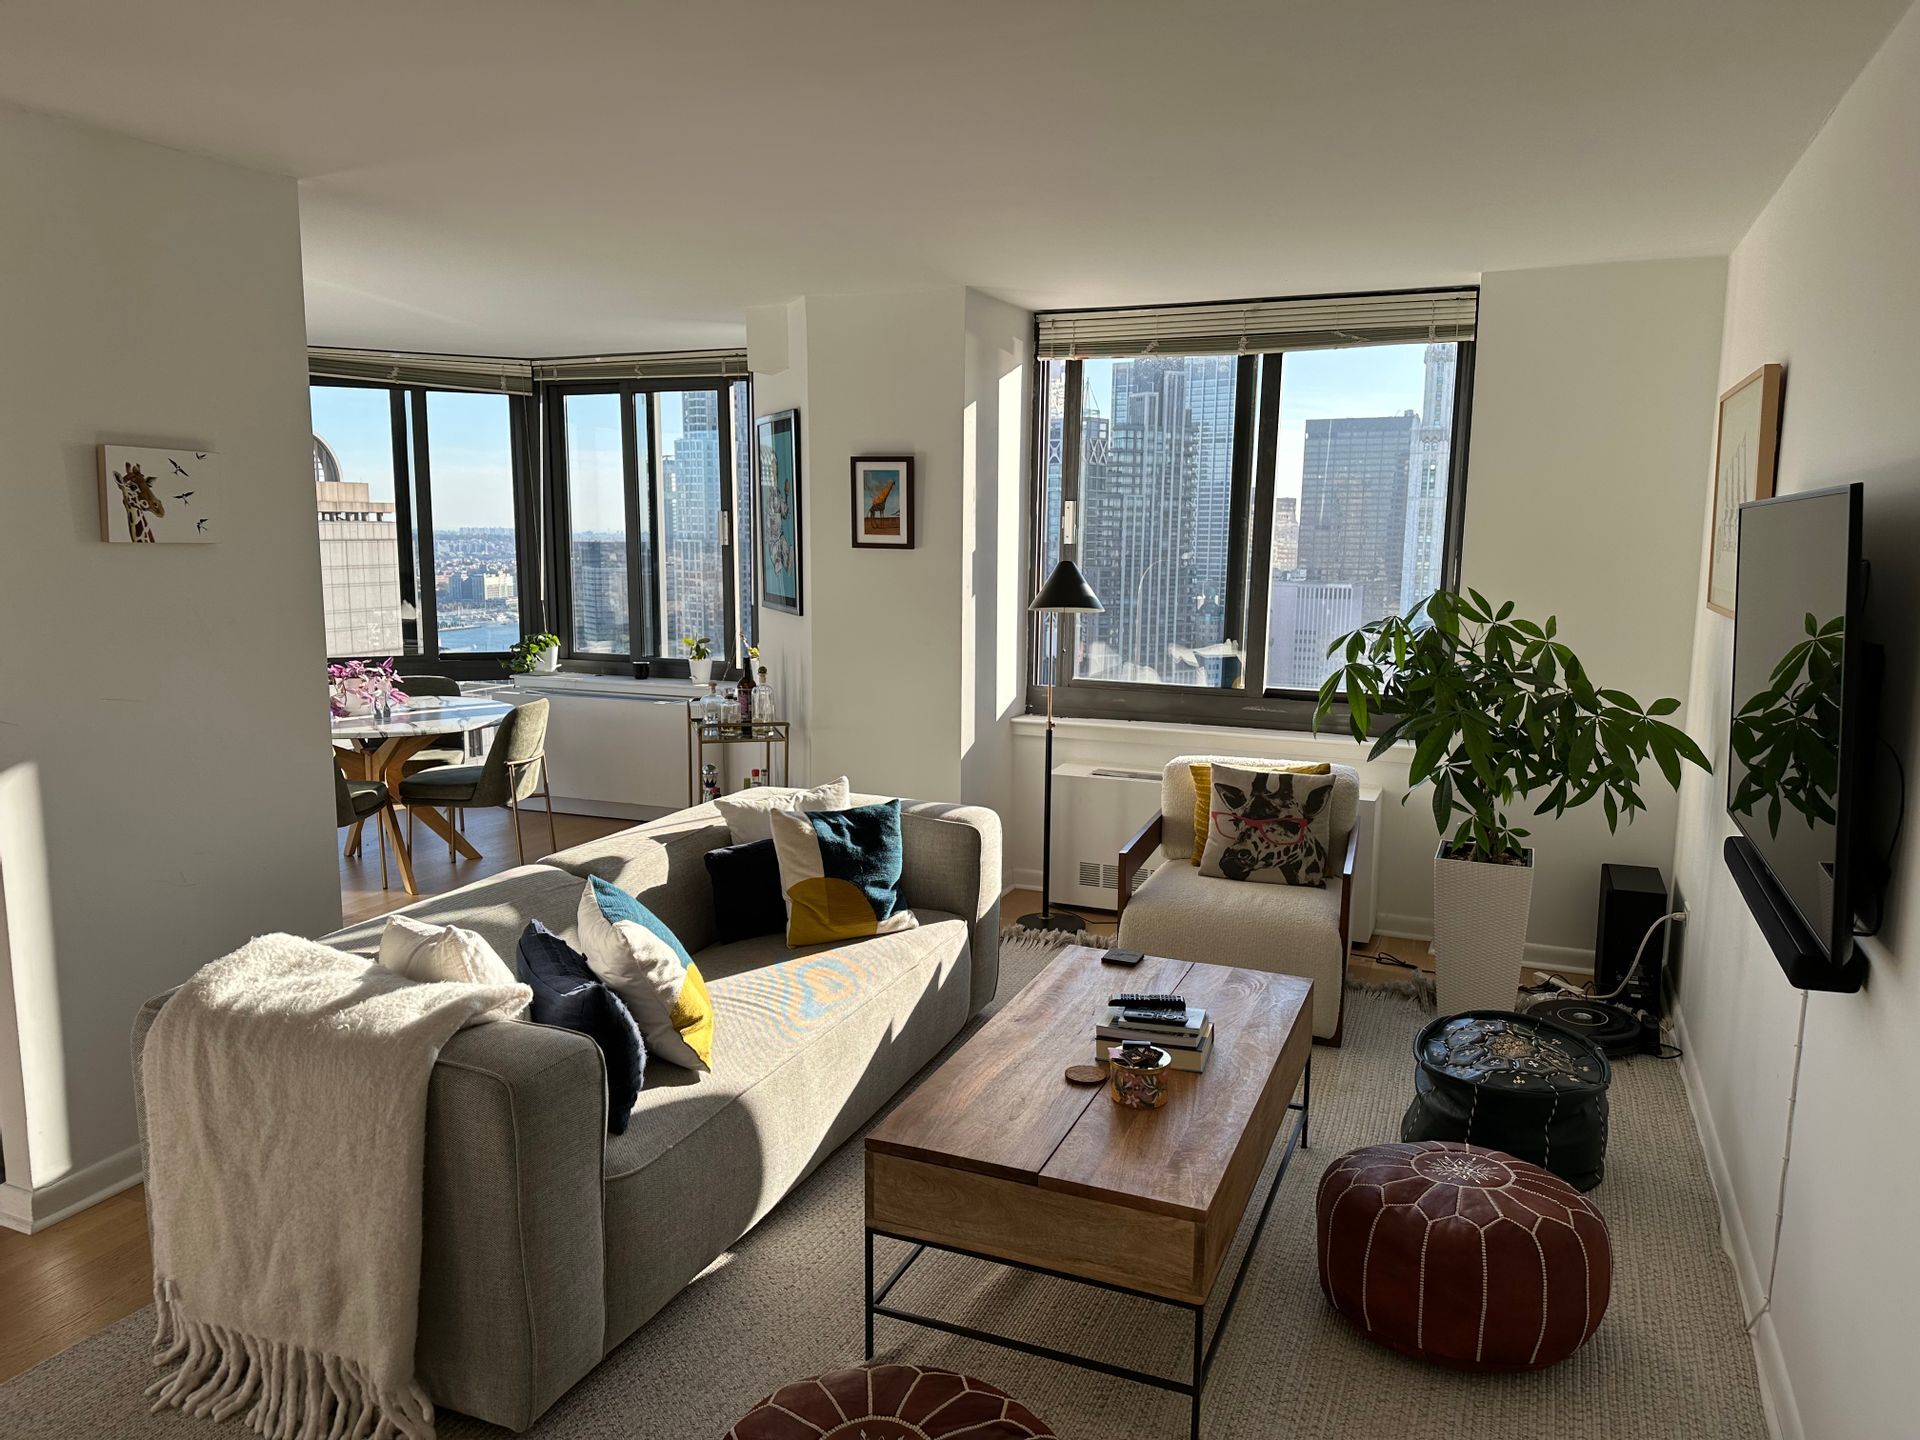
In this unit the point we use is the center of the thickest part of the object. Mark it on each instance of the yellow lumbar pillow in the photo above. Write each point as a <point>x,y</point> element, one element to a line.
<point>1203,791</point>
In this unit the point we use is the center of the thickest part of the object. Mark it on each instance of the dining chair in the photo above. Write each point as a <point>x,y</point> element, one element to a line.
<point>515,761</point>
<point>452,749</point>
<point>355,801</point>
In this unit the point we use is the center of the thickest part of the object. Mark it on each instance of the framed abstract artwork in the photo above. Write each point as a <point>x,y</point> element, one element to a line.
<point>1746,447</point>
<point>777,444</point>
<point>150,496</point>
<point>883,502</point>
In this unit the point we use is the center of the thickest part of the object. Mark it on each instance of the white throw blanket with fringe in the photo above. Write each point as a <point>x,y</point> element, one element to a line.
<point>286,1099</point>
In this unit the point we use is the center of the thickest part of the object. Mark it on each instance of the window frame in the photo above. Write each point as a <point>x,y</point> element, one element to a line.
<point>1259,385</point>
<point>413,528</point>
<point>644,495</point>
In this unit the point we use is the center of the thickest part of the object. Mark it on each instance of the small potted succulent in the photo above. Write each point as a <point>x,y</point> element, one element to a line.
<point>699,657</point>
<point>534,654</point>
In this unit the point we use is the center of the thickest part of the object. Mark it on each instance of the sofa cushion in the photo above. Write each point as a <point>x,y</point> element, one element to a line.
<point>661,863</point>
<point>1281,929</point>
<point>420,951</point>
<point>815,1043</point>
<point>772,1002</point>
<point>567,994</point>
<point>497,909</point>
<point>746,811</point>
<point>1202,771</point>
<point>840,873</point>
<point>648,968</point>
<point>746,892</point>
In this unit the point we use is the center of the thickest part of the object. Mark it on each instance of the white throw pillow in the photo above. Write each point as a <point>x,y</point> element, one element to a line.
<point>420,951</point>
<point>746,811</point>
<point>643,962</point>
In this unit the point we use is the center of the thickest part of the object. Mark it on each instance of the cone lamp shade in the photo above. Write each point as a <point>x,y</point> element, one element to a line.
<point>1065,593</point>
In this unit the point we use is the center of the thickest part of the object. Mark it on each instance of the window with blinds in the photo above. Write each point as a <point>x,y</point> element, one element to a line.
<point>1246,482</point>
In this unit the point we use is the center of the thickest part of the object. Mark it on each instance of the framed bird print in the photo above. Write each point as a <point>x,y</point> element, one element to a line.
<point>1746,446</point>
<point>150,496</point>
<point>883,502</point>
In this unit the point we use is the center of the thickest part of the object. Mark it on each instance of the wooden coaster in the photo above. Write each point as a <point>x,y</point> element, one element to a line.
<point>1086,1074</point>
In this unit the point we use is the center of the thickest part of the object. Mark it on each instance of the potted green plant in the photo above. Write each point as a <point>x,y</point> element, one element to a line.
<point>532,654</point>
<point>1498,711</point>
<point>699,657</point>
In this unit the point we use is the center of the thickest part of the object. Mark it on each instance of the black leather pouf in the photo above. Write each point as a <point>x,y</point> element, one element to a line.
<point>1505,1081</point>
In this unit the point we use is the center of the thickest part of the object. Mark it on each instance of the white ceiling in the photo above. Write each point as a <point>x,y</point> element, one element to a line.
<point>586,175</point>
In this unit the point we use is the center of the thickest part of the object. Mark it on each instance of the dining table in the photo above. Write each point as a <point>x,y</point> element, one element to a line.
<point>373,746</point>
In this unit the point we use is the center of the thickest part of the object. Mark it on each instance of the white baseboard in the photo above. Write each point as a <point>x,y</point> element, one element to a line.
<point>600,809</point>
<point>1559,959</point>
<point>1776,1390</point>
<point>30,1210</point>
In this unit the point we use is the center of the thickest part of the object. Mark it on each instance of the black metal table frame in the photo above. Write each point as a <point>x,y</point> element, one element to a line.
<point>1203,1349</point>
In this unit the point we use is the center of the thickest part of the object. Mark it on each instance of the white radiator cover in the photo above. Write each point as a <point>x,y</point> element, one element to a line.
<point>1098,808</point>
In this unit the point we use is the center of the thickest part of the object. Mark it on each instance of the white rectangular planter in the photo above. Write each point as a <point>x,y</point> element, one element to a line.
<point>1479,931</point>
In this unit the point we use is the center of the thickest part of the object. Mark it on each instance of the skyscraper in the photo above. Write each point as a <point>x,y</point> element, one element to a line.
<point>1154,524</point>
<point>1353,506</point>
<point>1305,618</point>
<point>359,562</point>
<point>690,500</point>
<point>1429,467</point>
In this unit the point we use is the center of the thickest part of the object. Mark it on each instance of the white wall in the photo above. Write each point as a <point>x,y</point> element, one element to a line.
<point>996,449</point>
<point>904,664</point>
<point>1592,427</point>
<point>786,641</point>
<point>884,377</point>
<point>1827,283</point>
<point>1592,431</point>
<point>158,698</point>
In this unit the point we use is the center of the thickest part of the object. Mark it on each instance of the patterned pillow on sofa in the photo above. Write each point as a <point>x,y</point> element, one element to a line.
<point>1268,826</point>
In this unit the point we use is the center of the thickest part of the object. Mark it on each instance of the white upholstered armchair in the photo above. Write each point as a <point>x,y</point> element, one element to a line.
<point>1284,929</point>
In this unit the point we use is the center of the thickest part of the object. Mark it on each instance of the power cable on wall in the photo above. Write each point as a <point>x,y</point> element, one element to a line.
<point>1786,1161</point>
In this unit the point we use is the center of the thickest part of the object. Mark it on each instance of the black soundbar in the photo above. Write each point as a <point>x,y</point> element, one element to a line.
<point>1797,949</point>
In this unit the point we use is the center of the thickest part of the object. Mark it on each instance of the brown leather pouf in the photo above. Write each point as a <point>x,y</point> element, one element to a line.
<point>889,1402</point>
<point>1463,1256</point>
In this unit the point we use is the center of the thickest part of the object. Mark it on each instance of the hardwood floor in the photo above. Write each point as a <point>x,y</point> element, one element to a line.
<point>488,831</point>
<point>78,1277</point>
<point>72,1279</point>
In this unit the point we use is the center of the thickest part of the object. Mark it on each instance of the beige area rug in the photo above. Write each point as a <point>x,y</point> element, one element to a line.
<point>1670,1359</point>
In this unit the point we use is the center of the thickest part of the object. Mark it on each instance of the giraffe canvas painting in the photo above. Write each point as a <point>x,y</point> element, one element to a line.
<point>150,496</point>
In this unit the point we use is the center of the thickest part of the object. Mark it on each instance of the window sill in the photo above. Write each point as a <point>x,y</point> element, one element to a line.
<point>1217,739</point>
<point>620,686</point>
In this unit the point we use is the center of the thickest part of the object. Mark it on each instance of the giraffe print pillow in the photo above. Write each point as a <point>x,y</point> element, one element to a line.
<point>1268,826</point>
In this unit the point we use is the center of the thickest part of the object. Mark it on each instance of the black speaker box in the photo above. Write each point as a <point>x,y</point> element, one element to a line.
<point>1632,898</point>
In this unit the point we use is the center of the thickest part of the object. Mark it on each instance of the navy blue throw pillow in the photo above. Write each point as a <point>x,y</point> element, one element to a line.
<point>568,995</point>
<point>746,891</point>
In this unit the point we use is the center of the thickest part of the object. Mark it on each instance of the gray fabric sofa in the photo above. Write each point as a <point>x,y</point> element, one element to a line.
<point>547,1241</point>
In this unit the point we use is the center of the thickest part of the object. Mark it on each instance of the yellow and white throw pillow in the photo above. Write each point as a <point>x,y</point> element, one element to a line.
<point>840,873</point>
<point>644,963</point>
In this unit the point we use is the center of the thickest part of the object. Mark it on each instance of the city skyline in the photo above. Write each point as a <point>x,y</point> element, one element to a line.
<point>1361,475</point>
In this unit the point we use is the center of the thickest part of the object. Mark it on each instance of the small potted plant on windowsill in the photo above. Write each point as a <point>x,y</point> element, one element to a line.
<point>1498,710</point>
<point>534,654</point>
<point>699,657</point>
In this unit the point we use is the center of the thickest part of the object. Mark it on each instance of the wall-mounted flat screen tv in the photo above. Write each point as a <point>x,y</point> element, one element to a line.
<point>1797,747</point>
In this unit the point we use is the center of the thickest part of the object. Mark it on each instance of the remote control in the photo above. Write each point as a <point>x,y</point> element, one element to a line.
<point>1165,1003</point>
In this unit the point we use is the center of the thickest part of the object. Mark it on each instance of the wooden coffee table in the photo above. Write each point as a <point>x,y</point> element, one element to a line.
<point>996,1156</point>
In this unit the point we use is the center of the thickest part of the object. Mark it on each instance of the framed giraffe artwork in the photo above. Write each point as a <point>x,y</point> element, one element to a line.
<point>883,513</point>
<point>150,496</point>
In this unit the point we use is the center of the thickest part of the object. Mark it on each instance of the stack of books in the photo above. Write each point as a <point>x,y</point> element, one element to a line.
<point>1186,1034</point>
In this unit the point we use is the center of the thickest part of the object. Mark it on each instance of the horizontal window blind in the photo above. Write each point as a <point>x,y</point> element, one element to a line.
<point>1247,327</point>
<point>440,372</point>
<point>657,365</point>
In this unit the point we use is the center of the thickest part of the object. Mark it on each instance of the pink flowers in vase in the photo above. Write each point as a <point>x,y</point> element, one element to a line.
<point>362,686</point>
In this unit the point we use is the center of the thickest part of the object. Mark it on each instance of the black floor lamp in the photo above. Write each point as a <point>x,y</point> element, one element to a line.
<point>1065,593</point>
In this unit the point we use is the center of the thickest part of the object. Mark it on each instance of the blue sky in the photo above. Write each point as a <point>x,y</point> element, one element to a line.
<point>471,454</point>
